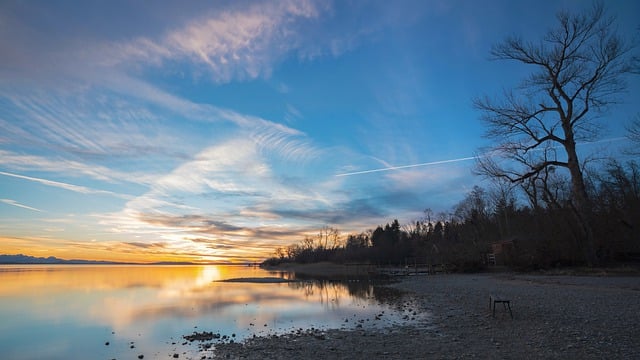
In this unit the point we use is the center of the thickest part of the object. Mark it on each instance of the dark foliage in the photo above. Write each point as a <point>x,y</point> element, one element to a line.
<point>540,234</point>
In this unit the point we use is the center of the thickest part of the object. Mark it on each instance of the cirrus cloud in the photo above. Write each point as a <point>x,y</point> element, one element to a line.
<point>237,43</point>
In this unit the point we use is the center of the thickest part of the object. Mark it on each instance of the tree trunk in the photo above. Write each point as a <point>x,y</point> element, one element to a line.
<point>581,206</point>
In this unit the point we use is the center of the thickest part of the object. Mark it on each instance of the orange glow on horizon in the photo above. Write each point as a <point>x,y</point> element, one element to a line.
<point>114,252</point>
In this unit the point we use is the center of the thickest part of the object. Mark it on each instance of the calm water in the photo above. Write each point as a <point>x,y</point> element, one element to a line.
<point>71,312</point>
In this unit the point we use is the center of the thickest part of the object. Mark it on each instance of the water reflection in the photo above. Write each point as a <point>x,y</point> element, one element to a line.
<point>331,292</point>
<point>72,311</point>
<point>20,279</point>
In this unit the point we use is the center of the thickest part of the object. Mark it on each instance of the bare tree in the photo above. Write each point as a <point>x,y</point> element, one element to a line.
<point>578,70</point>
<point>634,134</point>
<point>308,243</point>
<point>329,238</point>
<point>502,200</point>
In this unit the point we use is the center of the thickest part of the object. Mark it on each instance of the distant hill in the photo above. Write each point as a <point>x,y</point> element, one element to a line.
<point>51,260</point>
<point>26,259</point>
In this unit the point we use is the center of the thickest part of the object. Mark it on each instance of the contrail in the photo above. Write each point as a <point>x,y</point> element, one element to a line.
<point>407,166</point>
<point>488,154</point>
<point>15,203</point>
<point>66,186</point>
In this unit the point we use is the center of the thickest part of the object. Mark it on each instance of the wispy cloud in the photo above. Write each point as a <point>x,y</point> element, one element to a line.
<point>144,245</point>
<point>24,162</point>
<point>233,43</point>
<point>292,115</point>
<point>236,166</point>
<point>237,182</point>
<point>17,204</point>
<point>236,43</point>
<point>87,122</point>
<point>283,143</point>
<point>232,191</point>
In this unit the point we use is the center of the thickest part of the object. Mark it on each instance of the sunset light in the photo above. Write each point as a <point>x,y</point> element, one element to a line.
<point>216,132</point>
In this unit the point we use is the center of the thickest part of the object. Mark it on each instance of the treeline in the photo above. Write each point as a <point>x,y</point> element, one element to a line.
<point>528,225</point>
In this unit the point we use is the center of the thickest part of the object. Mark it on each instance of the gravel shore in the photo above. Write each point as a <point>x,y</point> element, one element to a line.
<point>554,317</point>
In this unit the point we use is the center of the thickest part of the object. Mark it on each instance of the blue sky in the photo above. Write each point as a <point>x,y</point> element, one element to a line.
<point>217,131</point>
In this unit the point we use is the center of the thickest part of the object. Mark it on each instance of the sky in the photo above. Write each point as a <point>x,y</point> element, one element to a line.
<point>216,131</point>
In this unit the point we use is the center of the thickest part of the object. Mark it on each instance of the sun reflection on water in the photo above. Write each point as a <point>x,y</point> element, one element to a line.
<point>153,304</point>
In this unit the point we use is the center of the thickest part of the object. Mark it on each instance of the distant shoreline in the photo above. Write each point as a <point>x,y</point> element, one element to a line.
<point>325,269</point>
<point>20,259</point>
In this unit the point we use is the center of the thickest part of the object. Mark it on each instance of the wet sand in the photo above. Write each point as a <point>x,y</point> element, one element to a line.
<point>554,317</point>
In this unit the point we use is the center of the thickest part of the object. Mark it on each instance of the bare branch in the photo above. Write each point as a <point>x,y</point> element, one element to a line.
<point>633,129</point>
<point>579,67</point>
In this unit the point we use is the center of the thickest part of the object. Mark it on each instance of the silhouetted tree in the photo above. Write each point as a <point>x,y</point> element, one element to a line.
<point>578,70</point>
<point>359,241</point>
<point>539,237</point>
<point>503,202</point>
<point>618,208</point>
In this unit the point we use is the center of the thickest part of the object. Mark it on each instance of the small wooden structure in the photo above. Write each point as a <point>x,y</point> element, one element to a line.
<point>506,304</point>
<point>501,253</point>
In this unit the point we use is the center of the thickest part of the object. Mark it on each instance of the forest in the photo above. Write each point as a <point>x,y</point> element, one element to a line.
<point>534,226</point>
<point>548,203</point>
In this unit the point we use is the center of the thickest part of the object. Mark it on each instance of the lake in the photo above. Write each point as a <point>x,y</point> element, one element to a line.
<point>121,312</point>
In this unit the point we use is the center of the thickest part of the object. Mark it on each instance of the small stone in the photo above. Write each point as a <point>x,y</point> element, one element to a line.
<point>140,356</point>
<point>175,356</point>
<point>106,344</point>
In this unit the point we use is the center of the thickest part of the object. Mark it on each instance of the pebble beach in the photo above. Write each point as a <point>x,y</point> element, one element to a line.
<point>554,317</point>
